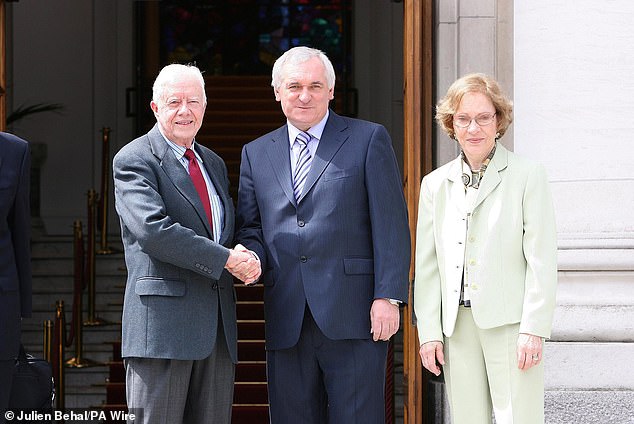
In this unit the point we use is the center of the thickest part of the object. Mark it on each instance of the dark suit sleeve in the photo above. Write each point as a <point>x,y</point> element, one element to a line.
<point>248,213</point>
<point>388,217</point>
<point>20,223</point>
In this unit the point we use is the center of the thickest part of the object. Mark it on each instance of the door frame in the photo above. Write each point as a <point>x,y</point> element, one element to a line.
<point>417,159</point>
<point>3,75</point>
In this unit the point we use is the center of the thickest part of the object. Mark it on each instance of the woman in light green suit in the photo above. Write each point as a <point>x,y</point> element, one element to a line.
<point>486,264</point>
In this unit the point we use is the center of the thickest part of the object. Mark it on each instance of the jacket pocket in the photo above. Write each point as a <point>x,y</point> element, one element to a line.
<point>336,174</point>
<point>155,286</point>
<point>358,265</point>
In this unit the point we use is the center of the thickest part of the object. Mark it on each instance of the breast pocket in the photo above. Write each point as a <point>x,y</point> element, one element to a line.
<point>336,174</point>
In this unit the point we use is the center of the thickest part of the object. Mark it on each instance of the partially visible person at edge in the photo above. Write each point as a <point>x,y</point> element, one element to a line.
<point>15,255</point>
<point>321,203</point>
<point>486,264</point>
<point>177,224</point>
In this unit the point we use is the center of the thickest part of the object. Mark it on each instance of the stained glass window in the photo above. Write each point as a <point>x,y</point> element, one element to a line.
<point>244,37</point>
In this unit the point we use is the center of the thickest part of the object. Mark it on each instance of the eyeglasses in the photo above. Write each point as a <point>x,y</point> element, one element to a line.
<point>463,121</point>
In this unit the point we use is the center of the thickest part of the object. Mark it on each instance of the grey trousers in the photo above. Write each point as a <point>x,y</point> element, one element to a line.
<point>169,391</point>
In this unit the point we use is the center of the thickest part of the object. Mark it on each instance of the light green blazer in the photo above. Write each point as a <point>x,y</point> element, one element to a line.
<point>508,244</point>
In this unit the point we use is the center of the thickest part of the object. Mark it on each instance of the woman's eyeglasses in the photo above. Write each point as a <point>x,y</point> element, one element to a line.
<point>463,121</point>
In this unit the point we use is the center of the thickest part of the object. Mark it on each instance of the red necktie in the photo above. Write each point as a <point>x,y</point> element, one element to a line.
<point>199,183</point>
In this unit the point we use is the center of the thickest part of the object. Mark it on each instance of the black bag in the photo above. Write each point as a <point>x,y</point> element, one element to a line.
<point>33,386</point>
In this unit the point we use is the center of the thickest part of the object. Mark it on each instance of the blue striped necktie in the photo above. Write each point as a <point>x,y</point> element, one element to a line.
<point>303,164</point>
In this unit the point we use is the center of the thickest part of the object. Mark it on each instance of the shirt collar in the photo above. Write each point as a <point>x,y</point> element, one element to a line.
<point>179,151</point>
<point>315,131</point>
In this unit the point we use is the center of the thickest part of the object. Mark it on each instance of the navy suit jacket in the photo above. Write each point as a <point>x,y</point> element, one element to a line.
<point>15,242</point>
<point>343,245</point>
<point>177,285</point>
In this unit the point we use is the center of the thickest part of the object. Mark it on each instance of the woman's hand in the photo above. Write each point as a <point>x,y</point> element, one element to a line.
<point>432,355</point>
<point>529,351</point>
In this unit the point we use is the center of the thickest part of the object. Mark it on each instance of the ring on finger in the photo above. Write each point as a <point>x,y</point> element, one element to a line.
<point>535,357</point>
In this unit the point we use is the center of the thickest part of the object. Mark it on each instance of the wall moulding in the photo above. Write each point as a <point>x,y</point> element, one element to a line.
<point>593,252</point>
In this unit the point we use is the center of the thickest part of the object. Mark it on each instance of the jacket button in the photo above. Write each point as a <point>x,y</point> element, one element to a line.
<point>301,223</point>
<point>215,286</point>
<point>303,258</point>
<point>472,262</point>
<point>474,287</point>
<point>472,239</point>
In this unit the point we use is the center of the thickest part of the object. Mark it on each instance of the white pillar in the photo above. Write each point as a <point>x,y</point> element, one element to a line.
<point>574,112</point>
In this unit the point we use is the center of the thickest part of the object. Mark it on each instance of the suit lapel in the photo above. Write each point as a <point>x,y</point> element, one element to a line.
<point>279,156</point>
<point>332,139</point>
<point>176,173</point>
<point>491,178</point>
<point>456,189</point>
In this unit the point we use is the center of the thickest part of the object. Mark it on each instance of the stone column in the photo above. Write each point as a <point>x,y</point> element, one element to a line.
<point>574,102</point>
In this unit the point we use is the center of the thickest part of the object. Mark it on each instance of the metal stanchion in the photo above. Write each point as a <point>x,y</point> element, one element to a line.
<point>47,341</point>
<point>58,355</point>
<point>92,320</point>
<point>389,384</point>
<point>104,249</point>
<point>78,361</point>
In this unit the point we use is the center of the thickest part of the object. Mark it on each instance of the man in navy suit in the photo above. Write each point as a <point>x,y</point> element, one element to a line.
<point>177,226</point>
<point>321,203</point>
<point>15,255</point>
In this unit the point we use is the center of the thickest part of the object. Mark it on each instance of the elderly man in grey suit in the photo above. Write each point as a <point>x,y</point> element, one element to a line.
<point>15,255</point>
<point>177,223</point>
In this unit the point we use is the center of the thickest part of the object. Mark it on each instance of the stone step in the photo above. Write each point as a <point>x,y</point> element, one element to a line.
<point>87,376</point>
<point>65,284</point>
<point>589,406</point>
<point>103,301</point>
<point>50,266</point>
<point>62,246</point>
<point>99,351</point>
<point>111,314</point>
<point>588,366</point>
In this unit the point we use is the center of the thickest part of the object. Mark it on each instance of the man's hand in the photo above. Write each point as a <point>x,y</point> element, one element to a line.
<point>243,264</point>
<point>529,351</point>
<point>384,318</point>
<point>432,355</point>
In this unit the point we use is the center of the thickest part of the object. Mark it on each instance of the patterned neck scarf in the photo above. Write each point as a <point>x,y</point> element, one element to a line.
<point>474,179</point>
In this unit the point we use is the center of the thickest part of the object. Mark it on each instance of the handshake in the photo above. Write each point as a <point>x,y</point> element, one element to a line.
<point>243,264</point>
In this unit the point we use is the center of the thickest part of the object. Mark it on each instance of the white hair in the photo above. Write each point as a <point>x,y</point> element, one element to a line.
<point>296,56</point>
<point>169,74</point>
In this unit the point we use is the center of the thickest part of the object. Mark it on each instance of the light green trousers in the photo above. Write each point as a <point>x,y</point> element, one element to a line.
<point>482,377</point>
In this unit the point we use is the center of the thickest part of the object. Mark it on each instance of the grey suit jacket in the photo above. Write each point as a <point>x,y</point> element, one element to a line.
<point>177,287</point>
<point>15,248</point>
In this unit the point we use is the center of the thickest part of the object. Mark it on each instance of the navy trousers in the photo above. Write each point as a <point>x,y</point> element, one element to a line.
<point>321,381</point>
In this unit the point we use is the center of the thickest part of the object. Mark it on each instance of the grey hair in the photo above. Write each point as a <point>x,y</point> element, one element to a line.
<point>169,74</point>
<point>296,56</point>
